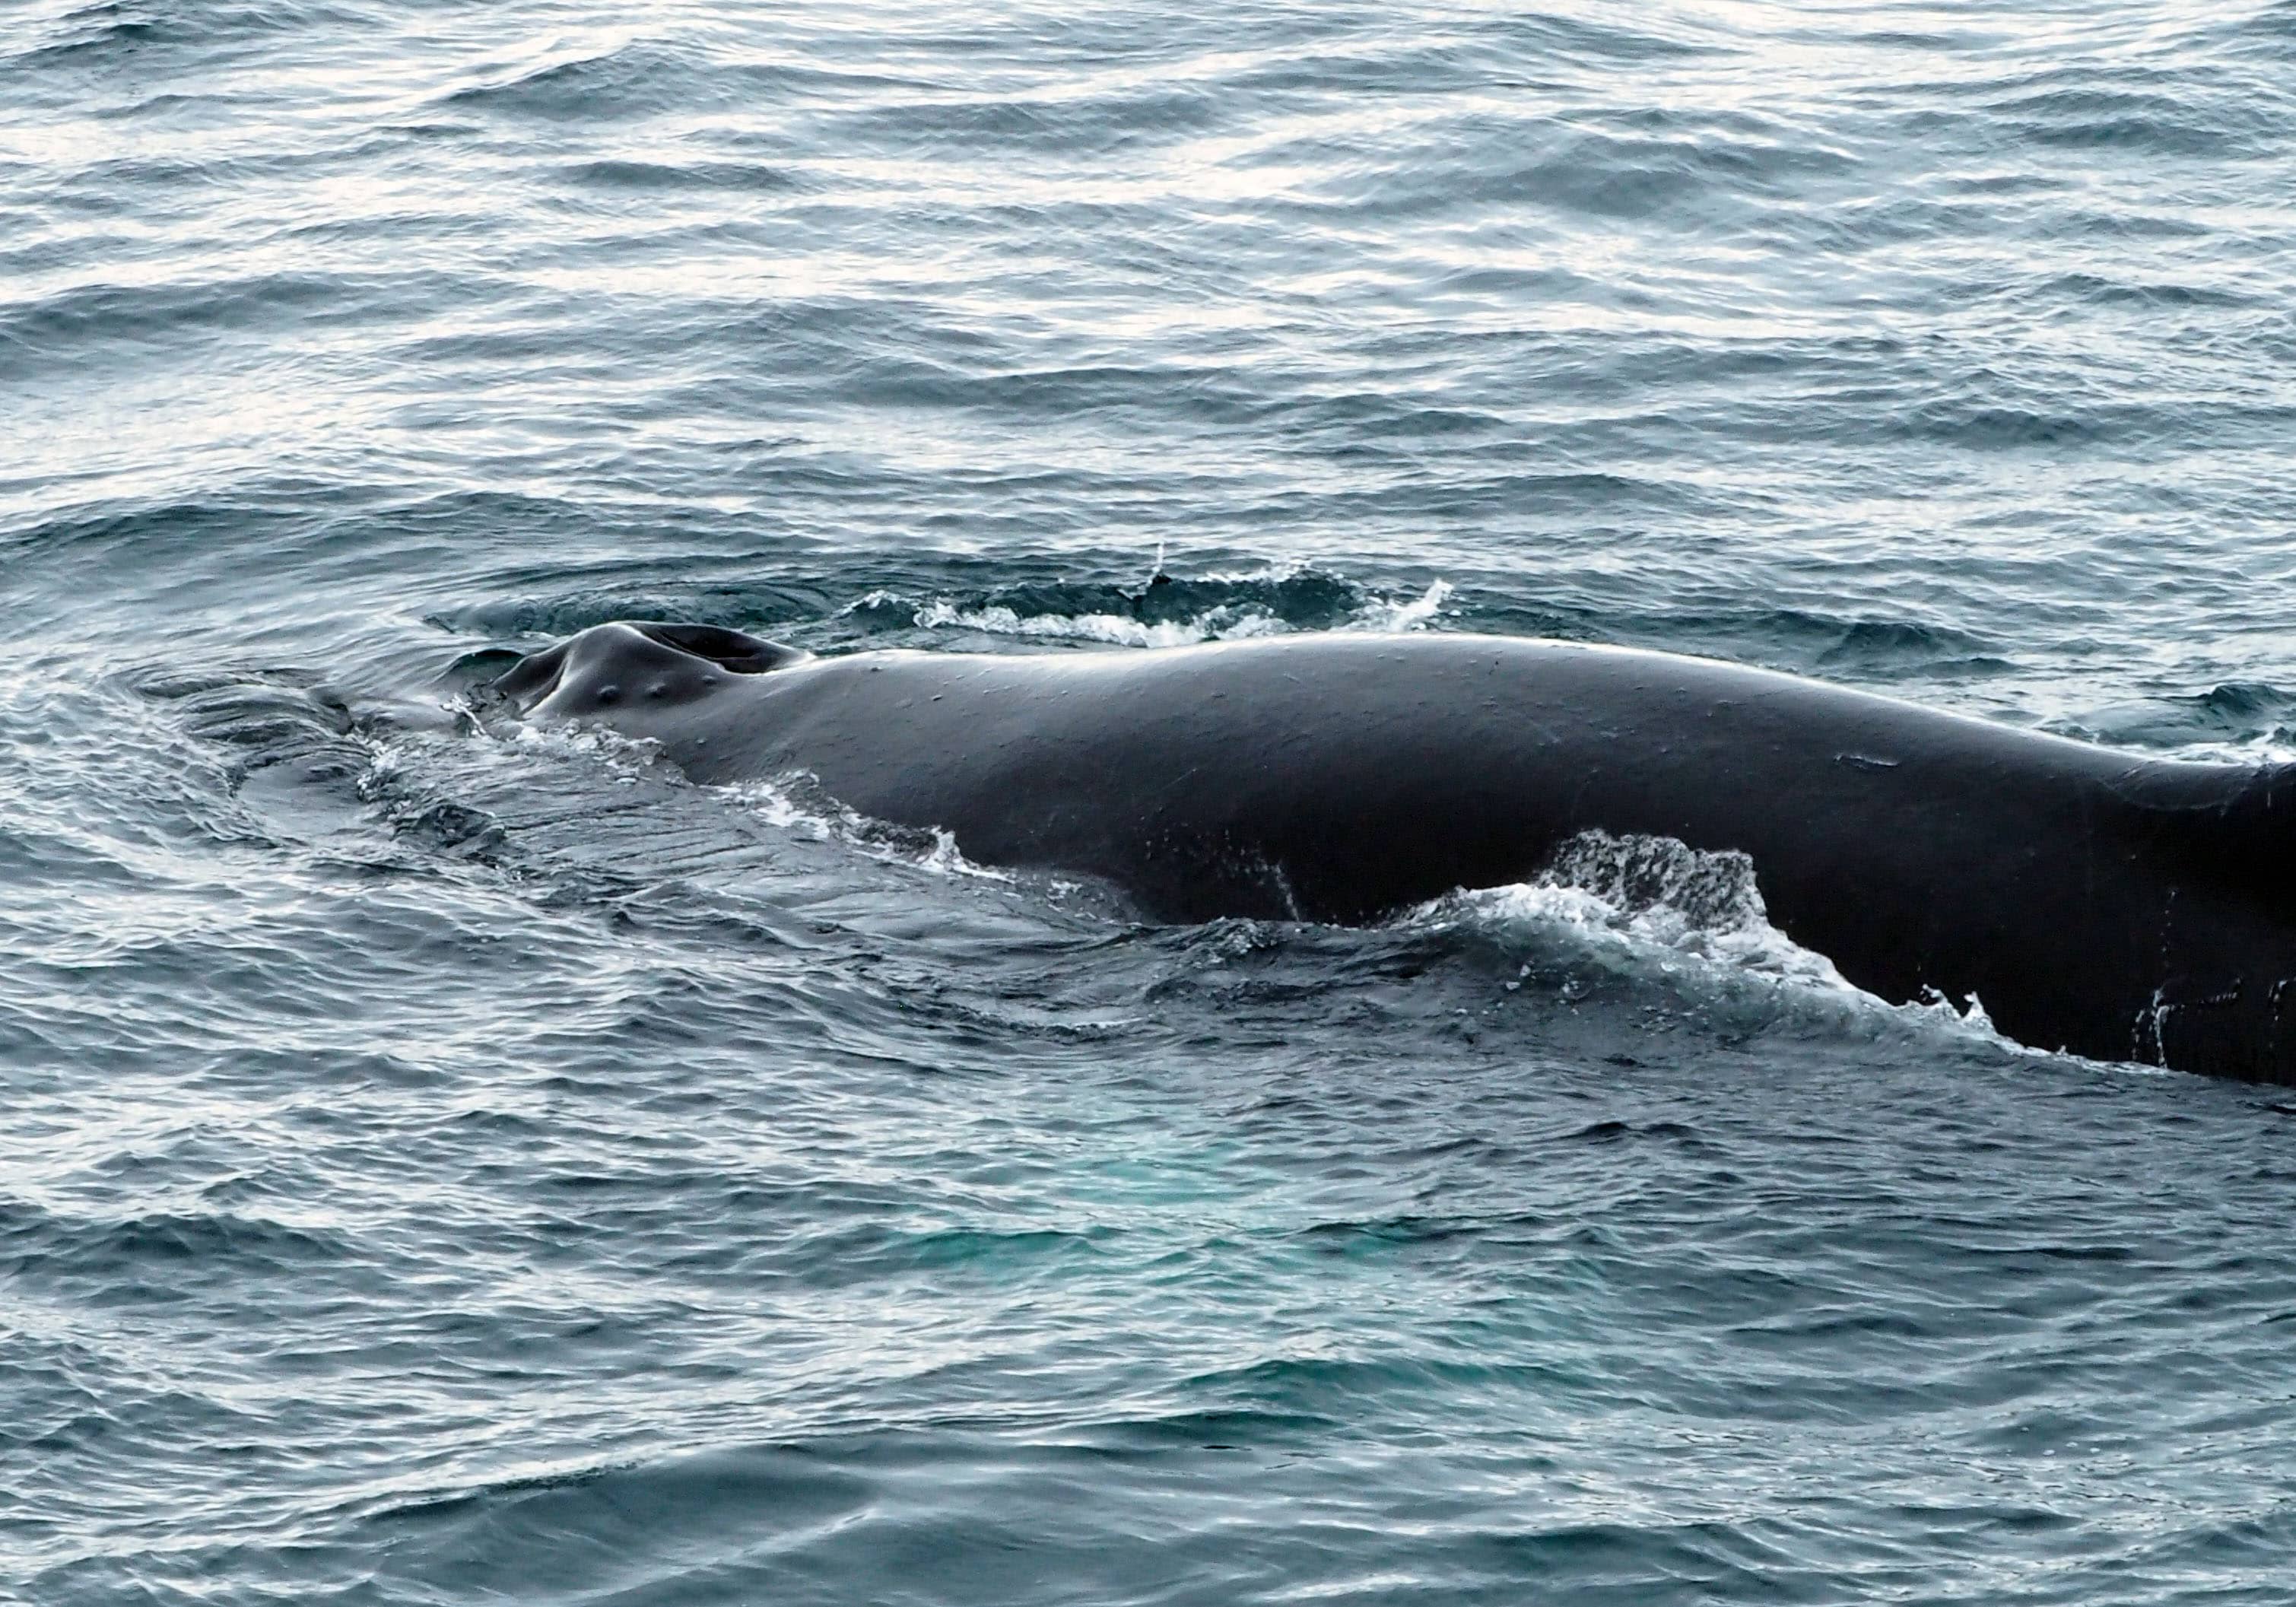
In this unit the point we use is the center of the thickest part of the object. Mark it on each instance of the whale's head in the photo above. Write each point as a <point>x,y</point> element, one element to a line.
<point>612,672</point>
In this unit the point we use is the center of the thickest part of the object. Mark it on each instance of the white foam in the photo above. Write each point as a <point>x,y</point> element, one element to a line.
<point>1227,622</point>
<point>1224,624</point>
<point>1414,615</point>
<point>949,860</point>
<point>1654,900</point>
<point>1659,930</point>
<point>778,809</point>
<point>626,757</point>
<point>794,805</point>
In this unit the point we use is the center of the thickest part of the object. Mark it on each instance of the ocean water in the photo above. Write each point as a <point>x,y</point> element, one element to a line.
<point>447,1164</point>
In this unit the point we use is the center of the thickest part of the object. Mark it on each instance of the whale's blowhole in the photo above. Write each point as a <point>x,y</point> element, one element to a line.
<point>649,661</point>
<point>734,651</point>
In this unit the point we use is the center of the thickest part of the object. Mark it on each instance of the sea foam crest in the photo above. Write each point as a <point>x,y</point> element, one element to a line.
<point>1654,893</point>
<point>1657,897</point>
<point>796,804</point>
<point>1245,616</point>
<point>1225,624</point>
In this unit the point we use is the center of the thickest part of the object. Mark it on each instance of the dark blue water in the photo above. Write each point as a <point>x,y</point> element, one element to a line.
<point>451,1165</point>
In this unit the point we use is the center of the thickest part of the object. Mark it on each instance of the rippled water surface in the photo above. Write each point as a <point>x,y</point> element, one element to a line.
<point>449,1164</point>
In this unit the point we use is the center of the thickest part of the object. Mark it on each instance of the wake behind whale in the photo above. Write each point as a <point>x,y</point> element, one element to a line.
<point>2115,905</point>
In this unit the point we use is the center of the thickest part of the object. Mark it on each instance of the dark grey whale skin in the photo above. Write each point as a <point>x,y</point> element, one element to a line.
<point>2118,906</point>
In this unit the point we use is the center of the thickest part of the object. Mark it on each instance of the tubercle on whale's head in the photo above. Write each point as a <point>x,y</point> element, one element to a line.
<point>636,663</point>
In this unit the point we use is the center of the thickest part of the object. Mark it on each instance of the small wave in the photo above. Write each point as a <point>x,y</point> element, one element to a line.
<point>1981,428</point>
<point>1831,646</point>
<point>1221,624</point>
<point>1172,613</point>
<point>589,82</point>
<point>103,36</point>
<point>121,1253</point>
<point>69,324</point>
<point>2107,116</point>
<point>264,721</point>
<point>116,35</point>
<point>2149,293</point>
<point>572,1521</point>
<point>1067,123</point>
<point>2239,722</point>
<point>657,178</point>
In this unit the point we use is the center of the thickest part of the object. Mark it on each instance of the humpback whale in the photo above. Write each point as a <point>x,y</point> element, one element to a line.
<point>2111,904</point>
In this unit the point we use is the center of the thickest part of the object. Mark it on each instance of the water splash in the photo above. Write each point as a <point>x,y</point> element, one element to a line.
<point>1228,607</point>
<point>1655,897</point>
